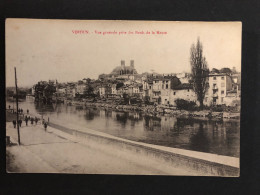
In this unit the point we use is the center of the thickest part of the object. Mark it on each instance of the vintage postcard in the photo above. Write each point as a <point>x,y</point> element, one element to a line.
<point>123,97</point>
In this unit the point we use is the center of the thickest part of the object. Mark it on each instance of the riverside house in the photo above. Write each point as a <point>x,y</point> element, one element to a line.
<point>222,89</point>
<point>182,91</point>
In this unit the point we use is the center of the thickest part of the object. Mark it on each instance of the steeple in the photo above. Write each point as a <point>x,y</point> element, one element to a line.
<point>132,63</point>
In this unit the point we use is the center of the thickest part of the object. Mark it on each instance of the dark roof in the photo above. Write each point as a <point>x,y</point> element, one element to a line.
<point>183,86</point>
<point>117,69</point>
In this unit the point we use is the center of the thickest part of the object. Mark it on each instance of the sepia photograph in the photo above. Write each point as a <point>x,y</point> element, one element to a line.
<point>123,97</point>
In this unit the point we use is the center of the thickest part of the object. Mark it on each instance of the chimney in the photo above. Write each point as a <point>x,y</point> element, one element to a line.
<point>123,63</point>
<point>234,70</point>
<point>132,63</point>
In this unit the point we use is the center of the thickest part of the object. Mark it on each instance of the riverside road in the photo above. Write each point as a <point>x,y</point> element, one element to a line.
<point>53,151</point>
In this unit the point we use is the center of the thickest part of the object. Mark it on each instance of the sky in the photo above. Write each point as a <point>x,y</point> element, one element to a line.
<point>70,50</point>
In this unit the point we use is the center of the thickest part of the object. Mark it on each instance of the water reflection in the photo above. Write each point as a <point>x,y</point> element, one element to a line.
<point>122,118</point>
<point>152,123</point>
<point>219,137</point>
<point>200,141</point>
<point>43,108</point>
<point>89,115</point>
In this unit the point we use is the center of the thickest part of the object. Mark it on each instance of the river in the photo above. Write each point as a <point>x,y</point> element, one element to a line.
<point>221,138</point>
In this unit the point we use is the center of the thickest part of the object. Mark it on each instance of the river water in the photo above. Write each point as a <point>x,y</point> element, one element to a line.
<point>192,134</point>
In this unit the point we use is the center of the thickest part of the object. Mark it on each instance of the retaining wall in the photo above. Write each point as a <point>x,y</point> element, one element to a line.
<point>201,165</point>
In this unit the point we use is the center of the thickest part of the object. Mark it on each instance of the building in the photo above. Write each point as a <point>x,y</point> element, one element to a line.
<point>124,70</point>
<point>157,87</point>
<point>182,91</point>
<point>80,87</point>
<point>105,90</point>
<point>147,88</point>
<point>71,90</point>
<point>221,90</point>
<point>121,72</point>
<point>134,90</point>
<point>113,89</point>
<point>102,91</point>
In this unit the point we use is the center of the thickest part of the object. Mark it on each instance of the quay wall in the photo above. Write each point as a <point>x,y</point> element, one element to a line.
<point>203,163</point>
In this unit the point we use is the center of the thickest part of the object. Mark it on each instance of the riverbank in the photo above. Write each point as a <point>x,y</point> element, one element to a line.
<point>44,152</point>
<point>159,110</point>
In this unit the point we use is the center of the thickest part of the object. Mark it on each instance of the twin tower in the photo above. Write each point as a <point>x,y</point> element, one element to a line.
<point>131,63</point>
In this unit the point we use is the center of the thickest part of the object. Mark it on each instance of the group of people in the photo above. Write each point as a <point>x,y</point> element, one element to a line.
<point>27,119</point>
<point>19,122</point>
<point>20,110</point>
<point>31,119</point>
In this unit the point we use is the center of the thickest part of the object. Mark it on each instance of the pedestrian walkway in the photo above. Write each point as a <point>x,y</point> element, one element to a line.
<point>53,151</point>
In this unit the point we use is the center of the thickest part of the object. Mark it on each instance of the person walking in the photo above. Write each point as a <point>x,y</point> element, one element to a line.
<point>45,126</point>
<point>32,120</point>
<point>36,120</point>
<point>27,111</point>
<point>14,123</point>
<point>26,121</point>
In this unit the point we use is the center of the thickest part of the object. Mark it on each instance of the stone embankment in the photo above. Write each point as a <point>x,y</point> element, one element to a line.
<point>160,110</point>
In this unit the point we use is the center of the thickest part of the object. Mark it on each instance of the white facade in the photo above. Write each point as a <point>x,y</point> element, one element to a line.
<point>80,88</point>
<point>113,90</point>
<point>33,90</point>
<point>147,88</point>
<point>102,91</point>
<point>171,95</point>
<point>219,86</point>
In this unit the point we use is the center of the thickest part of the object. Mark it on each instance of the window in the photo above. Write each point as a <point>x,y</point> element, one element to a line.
<point>222,84</point>
<point>174,93</point>
<point>166,86</point>
<point>222,92</point>
<point>222,78</point>
<point>214,86</point>
<point>150,87</point>
<point>214,78</point>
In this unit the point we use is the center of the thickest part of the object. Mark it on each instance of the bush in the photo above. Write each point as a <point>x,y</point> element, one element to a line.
<point>182,104</point>
<point>218,108</point>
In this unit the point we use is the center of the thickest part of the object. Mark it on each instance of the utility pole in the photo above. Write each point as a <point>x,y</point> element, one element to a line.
<point>17,114</point>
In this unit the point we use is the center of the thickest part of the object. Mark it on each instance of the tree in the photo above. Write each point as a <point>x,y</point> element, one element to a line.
<point>182,104</point>
<point>199,70</point>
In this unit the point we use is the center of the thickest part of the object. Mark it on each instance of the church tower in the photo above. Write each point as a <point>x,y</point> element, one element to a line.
<point>132,63</point>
